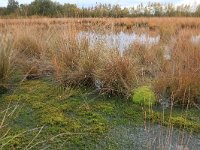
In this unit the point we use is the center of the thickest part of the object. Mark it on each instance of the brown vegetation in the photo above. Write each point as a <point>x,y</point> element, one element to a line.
<point>46,47</point>
<point>155,23</point>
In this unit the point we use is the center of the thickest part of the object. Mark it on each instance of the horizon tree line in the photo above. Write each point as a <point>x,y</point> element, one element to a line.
<point>50,8</point>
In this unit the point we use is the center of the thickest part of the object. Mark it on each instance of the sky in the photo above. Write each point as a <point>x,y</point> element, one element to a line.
<point>124,3</point>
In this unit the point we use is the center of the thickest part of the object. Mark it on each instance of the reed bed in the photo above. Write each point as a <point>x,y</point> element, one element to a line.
<point>50,47</point>
<point>88,23</point>
<point>181,74</point>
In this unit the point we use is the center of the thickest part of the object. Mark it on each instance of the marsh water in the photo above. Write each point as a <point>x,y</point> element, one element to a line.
<point>154,137</point>
<point>121,40</point>
<point>195,38</point>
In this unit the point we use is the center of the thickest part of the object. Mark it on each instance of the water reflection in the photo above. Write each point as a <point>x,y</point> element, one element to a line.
<point>195,39</point>
<point>120,41</point>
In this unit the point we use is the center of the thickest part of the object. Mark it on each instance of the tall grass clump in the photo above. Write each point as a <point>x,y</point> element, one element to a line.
<point>166,32</point>
<point>77,63</point>
<point>74,61</point>
<point>118,75</point>
<point>31,47</point>
<point>5,62</point>
<point>148,59</point>
<point>179,78</point>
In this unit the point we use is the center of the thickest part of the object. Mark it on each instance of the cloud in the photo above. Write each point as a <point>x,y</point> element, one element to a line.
<point>3,3</point>
<point>120,2</point>
<point>190,2</point>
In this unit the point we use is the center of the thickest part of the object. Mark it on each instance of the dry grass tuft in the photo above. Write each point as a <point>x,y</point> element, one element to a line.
<point>74,62</point>
<point>118,75</point>
<point>5,61</point>
<point>181,74</point>
<point>31,48</point>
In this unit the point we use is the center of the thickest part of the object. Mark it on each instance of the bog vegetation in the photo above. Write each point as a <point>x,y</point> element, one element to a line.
<point>64,83</point>
<point>36,48</point>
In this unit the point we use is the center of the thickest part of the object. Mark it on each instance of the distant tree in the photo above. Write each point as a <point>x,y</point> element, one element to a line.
<point>148,10</point>
<point>158,9</point>
<point>45,8</point>
<point>12,6</point>
<point>70,10</point>
<point>183,10</point>
<point>116,11</point>
<point>24,10</point>
<point>85,12</point>
<point>124,12</point>
<point>3,11</point>
<point>170,10</point>
<point>197,12</point>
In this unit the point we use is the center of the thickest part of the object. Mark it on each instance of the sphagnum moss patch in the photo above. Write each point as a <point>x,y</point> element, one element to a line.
<point>144,96</point>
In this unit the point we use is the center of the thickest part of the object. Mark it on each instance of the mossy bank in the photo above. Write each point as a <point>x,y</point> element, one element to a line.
<point>40,115</point>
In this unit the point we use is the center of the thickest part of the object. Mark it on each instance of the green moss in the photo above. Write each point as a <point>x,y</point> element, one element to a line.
<point>144,96</point>
<point>24,118</point>
<point>184,123</point>
<point>179,119</point>
<point>52,115</point>
<point>105,107</point>
<point>81,120</point>
<point>59,110</point>
<point>134,113</point>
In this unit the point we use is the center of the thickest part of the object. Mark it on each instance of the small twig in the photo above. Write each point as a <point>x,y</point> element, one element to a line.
<point>36,144</point>
<point>5,134</point>
<point>67,133</point>
<point>15,137</point>
<point>4,117</point>
<point>13,111</point>
<point>196,106</point>
<point>34,138</point>
<point>27,74</point>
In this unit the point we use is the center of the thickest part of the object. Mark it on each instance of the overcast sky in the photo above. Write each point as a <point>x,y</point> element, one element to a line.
<point>127,3</point>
